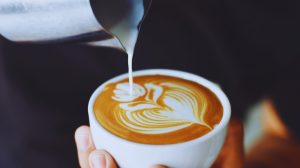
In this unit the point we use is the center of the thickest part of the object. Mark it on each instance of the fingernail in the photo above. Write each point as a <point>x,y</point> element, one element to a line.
<point>99,161</point>
<point>83,142</point>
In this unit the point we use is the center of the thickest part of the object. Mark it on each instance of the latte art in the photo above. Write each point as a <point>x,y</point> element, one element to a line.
<point>158,107</point>
<point>178,108</point>
<point>123,93</point>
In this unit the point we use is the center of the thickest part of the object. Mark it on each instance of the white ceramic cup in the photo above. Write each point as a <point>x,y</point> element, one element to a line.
<point>198,153</point>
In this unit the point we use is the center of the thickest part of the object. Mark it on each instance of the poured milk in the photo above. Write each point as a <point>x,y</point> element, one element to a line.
<point>127,33</point>
<point>129,46</point>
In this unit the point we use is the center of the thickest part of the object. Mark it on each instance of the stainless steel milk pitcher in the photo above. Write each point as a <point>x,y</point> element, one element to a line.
<point>95,22</point>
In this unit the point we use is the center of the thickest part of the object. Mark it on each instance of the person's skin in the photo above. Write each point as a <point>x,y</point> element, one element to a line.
<point>231,156</point>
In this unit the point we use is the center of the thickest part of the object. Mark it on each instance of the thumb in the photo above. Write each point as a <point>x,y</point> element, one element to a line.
<point>101,159</point>
<point>158,166</point>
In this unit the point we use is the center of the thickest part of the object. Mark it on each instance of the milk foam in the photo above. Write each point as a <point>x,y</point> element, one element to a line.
<point>122,92</point>
<point>156,108</point>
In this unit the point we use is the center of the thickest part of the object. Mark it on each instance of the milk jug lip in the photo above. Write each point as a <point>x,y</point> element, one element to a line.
<point>172,73</point>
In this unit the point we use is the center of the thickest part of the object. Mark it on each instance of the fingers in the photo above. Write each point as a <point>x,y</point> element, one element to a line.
<point>235,144</point>
<point>88,156</point>
<point>158,166</point>
<point>84,145</point>
<point>101,159</point>
<point>232,153</point>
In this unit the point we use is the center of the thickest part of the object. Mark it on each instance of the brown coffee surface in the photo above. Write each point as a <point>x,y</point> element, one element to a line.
<point>161,110</point>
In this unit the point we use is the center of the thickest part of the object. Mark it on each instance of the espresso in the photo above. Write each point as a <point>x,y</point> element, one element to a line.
<point>160,109</point>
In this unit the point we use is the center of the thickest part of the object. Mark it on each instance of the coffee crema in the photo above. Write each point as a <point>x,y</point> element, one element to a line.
<point>161,110</point>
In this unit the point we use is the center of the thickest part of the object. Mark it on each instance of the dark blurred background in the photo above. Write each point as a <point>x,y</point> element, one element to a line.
<point>250,48</point>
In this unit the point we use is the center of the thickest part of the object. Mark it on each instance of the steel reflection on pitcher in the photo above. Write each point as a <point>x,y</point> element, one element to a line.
<point>94,22</point>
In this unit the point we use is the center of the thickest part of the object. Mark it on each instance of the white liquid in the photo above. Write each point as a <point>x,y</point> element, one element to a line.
<point>129,46</point>
<point>128,41</point>
<point>130,77</point>
<point>127,33</point>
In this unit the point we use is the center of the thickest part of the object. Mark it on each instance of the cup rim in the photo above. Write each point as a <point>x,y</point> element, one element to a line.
<point>172,73</point>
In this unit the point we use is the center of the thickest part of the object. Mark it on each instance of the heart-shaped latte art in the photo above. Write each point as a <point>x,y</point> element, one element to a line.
<point>157,108</point>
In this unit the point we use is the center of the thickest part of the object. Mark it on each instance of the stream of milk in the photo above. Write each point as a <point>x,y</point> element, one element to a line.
<point>130,51</point>
<point>127,34</point>
<point>129,45</point>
